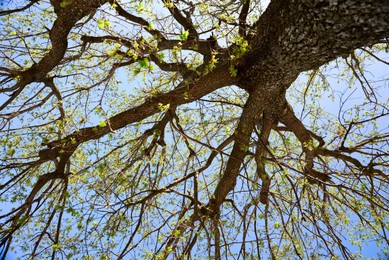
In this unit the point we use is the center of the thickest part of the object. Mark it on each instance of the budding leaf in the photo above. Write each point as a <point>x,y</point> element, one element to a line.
<point>184,35</point>
<point>144,63</point>
<point>102,123</point>
<point>103,24</point>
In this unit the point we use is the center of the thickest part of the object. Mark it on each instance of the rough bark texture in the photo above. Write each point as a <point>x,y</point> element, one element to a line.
<point>303,35</point>
<point>290,37</point>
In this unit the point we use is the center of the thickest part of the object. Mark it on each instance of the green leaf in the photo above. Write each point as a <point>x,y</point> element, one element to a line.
<point>55,247</point>
<point>144,63</point>
<point>184,35</point>
<point>161,56</point>
<point>136,71</point>
<point>11,152</point>
<point>102,123</point>
<point>101,167</point>
<point>276,224</point>
<point>140,7</point>
<point>102,24</point>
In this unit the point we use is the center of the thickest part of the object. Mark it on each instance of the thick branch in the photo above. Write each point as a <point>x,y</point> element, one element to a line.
<point>260,154</point>
<point>260,99</point>
<point>290,120</point>
<point>67,18</point>
<point>303,35</point>
<point>183,94</point>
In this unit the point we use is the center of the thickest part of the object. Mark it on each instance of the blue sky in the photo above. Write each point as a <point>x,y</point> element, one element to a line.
<point>370,249</point>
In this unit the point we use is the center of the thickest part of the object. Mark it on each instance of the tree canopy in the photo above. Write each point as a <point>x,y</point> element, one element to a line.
<point>194,129</point>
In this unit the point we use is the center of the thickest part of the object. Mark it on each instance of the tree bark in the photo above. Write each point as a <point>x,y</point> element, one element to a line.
<point>291,37</point>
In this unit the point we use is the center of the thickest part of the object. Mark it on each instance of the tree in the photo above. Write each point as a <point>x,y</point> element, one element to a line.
<point>193,129</point>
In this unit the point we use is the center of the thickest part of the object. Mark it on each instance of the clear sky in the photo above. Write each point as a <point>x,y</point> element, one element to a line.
<point>379,74</point>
